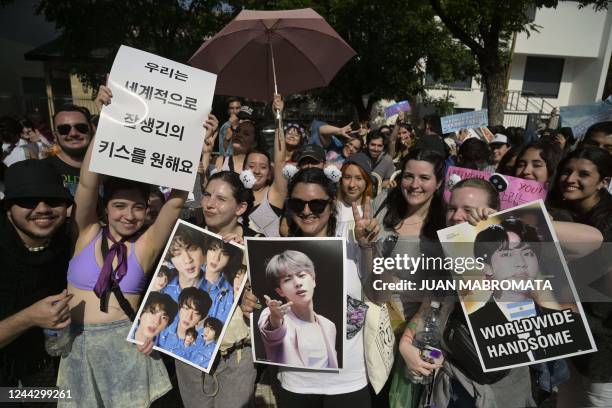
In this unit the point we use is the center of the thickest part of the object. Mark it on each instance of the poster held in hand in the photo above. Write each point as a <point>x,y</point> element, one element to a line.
<point>518,191</point>
<point>403,106</point>
<point>467,120</point>
<point>521,304</point>
<point>152,131</point>
<point>192,296</point>
<point>300,284</point>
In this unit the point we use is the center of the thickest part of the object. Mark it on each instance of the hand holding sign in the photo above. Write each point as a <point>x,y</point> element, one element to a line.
<point>104,96</point>
<point>400,117</point>
<point>475,215</point>
<point>249,300</point>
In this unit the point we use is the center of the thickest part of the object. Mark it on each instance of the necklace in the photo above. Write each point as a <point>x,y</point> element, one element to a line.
<point>37,249</point>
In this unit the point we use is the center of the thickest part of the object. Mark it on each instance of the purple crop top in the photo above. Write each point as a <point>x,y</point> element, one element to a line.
<point>83,270</point>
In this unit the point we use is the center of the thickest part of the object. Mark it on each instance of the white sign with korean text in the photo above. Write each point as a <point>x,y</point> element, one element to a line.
<point>152,131</point>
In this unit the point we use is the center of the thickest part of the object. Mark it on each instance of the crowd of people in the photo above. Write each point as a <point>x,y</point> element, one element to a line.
<point>79,249</point>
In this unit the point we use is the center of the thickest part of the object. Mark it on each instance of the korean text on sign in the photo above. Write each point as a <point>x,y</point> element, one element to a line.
<point>152,131</point>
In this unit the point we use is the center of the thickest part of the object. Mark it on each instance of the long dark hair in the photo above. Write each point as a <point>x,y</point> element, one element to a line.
<point>267,155</point>
<point>397,207</point>
<point>600,216</point>
<point>240,193</point>
<point>313,175</point>
<point>549,151</point>
<point>503,167</point>
<point>112,185</point>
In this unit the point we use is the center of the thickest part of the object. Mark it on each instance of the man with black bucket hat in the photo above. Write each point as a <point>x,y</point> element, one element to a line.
<point>34,255</point>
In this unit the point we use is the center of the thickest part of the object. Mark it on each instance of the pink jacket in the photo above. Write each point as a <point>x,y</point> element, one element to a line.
<point>283,344</point>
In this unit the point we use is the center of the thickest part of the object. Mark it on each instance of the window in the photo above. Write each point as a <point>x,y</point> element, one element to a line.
<point>542,77</point>
<point>461,84</point>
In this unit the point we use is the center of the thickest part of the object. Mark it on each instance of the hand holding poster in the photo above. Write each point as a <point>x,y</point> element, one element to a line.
<point>403,106</point>
<point>152,131</point>
<point>519,191</point>
<point>300,283</point>
<point>192,296</point>
<point>467,120</point>
<point>519,299</point>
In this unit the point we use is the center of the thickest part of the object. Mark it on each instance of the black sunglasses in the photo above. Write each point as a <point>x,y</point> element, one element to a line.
<point>64,129</point>
<point>317,206</point>
<point>31,203</point>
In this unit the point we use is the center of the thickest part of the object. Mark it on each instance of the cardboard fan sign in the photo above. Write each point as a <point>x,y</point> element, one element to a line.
<point>466,120</point>
<point>520,302</point>
<point>152,130</point>
<point>513,191</point>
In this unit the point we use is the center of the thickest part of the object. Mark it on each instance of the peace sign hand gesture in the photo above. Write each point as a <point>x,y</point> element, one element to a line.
<point>366,228</point>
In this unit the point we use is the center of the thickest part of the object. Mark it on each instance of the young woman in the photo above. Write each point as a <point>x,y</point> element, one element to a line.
<point>410,215</point>
<point>294,138</point>
<point>538,161</point>
<point>312,212</point>
<point>356,187</point>
<point>244,139</point>
<point>473,200</point>
<point>581,186</point>
<point>106,276</point>
<point>232,382</point>
<point>402,138</point>
<point>269,198</point>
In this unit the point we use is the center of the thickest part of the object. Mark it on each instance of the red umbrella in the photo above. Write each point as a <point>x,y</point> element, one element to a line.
<point>260,53</point>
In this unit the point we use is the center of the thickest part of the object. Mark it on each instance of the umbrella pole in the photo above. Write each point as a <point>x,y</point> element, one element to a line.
<point>274,75</point>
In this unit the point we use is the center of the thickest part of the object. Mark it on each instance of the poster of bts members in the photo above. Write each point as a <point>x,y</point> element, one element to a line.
<point>519,300</point>
<point>192,296</point>
<point>299,283</point>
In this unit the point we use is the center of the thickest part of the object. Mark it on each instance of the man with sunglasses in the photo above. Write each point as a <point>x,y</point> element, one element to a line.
<point>34,258</point>
<point>73,131</point>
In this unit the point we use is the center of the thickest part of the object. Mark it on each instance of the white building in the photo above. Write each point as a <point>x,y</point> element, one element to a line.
<point>565,63</point>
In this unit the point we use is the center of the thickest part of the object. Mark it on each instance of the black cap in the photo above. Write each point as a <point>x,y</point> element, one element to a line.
<point>311,150</point>
<point>34,179</point>
<point>246,113</point>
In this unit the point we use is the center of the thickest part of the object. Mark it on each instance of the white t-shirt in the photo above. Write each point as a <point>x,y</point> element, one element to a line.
<point>353,376</point>
<point>313,346</point>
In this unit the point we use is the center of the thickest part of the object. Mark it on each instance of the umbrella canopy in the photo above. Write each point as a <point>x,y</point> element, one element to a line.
<point>294,49</point>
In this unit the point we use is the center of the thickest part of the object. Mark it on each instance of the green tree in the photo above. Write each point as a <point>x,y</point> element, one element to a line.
<point>486,27</point>
<point>395,41</point>
<point>93,30</point>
